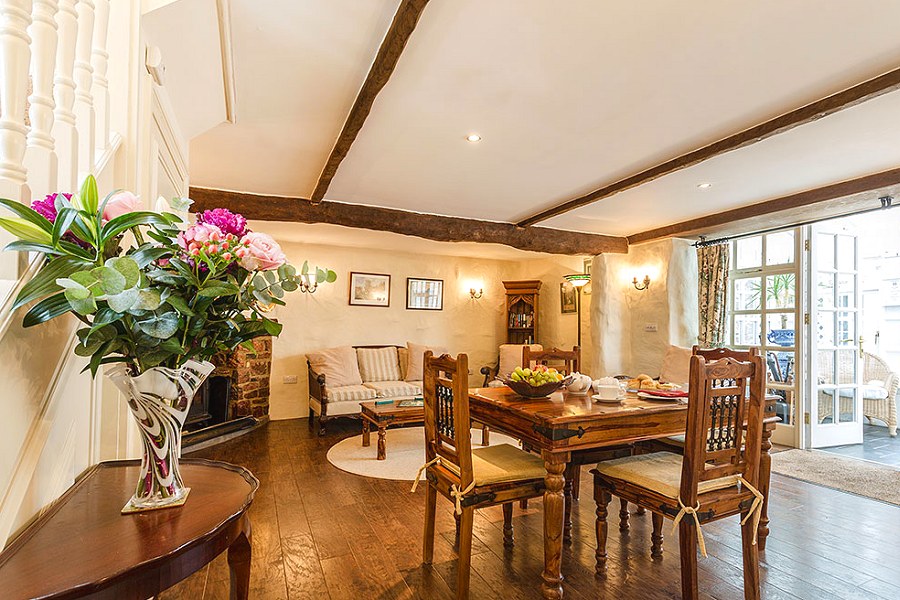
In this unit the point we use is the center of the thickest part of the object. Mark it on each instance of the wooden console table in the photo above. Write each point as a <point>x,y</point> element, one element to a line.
<point>82,547</point>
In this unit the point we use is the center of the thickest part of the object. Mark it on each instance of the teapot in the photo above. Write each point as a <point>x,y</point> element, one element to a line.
<point>579,384</point>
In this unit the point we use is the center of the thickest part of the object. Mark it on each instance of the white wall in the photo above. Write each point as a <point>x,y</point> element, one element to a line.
<point>476,327</point>
<point>620,314</point>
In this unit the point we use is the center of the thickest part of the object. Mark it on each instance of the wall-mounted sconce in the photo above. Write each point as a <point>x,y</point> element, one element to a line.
<point>644,286</point>
<point>476,294</point>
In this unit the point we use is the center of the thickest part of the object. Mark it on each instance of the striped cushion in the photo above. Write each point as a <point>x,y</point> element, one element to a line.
<point>378,364</point>
<point>393,389</point>
<point>349,392</point>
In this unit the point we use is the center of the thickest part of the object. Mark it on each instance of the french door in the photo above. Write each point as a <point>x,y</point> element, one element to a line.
<point>835,344</point>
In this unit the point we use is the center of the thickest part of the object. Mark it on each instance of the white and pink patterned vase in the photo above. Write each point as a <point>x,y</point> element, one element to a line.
<point>159,399</point>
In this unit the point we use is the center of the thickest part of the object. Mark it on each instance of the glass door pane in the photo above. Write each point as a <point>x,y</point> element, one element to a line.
<point>835,407</point>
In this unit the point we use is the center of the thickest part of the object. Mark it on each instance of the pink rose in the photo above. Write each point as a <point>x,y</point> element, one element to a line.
<point>120,204</point>
<point>262,253</point>
<point>199,234</point>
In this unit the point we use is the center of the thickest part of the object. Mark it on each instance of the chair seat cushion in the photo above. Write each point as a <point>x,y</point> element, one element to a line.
<point>659,472</point>
<point>500,463</point>
<point>393,389</point>
<point>345,393</point>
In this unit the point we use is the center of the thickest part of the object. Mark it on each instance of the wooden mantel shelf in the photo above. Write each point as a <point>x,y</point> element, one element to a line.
<point>82,547</point>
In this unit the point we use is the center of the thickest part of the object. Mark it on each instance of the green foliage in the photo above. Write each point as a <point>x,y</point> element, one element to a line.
<point>152,304</point>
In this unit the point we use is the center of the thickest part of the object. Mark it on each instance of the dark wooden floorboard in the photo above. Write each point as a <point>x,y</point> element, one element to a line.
<point>321,533</point>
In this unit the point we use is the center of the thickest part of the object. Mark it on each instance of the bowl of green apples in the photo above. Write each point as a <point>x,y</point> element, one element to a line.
<point>537,383</point>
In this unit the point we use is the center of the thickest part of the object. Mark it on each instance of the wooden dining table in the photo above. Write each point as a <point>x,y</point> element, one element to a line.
<point>564,424</point>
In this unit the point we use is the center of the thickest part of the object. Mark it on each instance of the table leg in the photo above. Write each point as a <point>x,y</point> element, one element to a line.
<point>366,440</point>
<point>554,507</point>
<point>381,451</point>
<point>569,494</point>
<point>765,474</point>
<point>239,563</point>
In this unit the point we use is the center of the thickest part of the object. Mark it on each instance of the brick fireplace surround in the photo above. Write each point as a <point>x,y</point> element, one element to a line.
<point>249,374</point>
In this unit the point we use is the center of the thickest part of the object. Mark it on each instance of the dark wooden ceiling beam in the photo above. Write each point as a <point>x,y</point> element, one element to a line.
<point>432,227</point>
<point>857,94</point>
<point>379,73</point>
<point>831,200</point>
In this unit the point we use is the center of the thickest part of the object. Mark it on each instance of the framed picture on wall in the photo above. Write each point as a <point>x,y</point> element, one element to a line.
<point>567,300</point>
<point>370,289</point>
<point>424,294</point>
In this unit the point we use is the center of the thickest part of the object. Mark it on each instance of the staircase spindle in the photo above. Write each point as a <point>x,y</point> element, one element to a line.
<point>100,63</point>
<point>40,158</point>
<point>64,134</point>
<point>84,80</point>
<point>15,52</point>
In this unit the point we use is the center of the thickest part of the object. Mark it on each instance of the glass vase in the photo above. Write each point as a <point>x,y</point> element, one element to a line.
<point>159,399</point>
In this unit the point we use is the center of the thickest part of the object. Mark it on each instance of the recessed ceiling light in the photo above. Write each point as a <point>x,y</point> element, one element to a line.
<point>704,185</point>
<point>473,137</point>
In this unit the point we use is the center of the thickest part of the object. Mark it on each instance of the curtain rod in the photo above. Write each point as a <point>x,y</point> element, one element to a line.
<point>886,203</point>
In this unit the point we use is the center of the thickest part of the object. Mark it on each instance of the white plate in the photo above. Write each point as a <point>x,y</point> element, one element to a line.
<point>650,396</point>
<point>608,400</point>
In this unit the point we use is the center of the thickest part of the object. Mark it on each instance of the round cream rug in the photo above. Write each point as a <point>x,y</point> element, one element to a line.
<point>405,453</point>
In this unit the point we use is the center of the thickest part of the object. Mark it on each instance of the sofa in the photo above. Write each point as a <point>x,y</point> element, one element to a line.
<point>342,377</point>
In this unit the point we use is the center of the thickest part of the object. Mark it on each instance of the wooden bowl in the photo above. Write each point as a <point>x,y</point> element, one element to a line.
<point>523,388</point>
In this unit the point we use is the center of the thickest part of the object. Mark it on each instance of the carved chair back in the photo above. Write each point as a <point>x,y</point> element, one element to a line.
<point>724,394</point>
<point>569,360</point>
<point>719,353</point>
<point>447,425</point>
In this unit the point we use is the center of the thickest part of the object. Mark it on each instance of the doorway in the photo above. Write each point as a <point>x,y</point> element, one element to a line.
<point>854,336</point>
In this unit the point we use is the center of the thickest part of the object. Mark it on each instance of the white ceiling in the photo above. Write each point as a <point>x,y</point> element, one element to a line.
<point>187,34</point>
<point>567,96</point>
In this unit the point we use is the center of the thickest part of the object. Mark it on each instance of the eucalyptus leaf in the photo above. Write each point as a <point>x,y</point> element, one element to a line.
<point>127,267</point>
<point>124,300</point>
<point>147,300</point>
<point>276,290</point>
<point>270,277</point>
<point>161,325</point>
<point>81,304</point>
<point>330,277</point>
<point>289,285</point>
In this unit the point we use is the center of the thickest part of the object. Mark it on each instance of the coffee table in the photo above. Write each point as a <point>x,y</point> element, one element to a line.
<point>381,416</point>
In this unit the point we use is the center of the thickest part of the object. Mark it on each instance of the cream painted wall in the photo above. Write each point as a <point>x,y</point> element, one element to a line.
<point>476,327</point>
<point>620,314</point>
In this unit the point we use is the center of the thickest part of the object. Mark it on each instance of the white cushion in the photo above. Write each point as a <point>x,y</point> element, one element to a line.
<point>346,393</point>
<point>338,365</point>
<point>676,366</point>
<point>659,472</point>
<point>869,392</point>
<point>379,364</point>
<point>393,389</point>
<point>415,368</point>
<point>511,357</point>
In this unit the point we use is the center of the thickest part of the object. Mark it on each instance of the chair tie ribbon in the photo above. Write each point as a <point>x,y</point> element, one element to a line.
<point>755,513</point>
<point>455,492</point>
<point>458,495</point>
<point>434,461</point>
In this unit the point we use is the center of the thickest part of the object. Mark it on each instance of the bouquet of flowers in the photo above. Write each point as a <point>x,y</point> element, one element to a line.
<point>173,295</point>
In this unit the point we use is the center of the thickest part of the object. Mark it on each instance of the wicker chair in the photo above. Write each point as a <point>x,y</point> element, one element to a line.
<point>879,400</point>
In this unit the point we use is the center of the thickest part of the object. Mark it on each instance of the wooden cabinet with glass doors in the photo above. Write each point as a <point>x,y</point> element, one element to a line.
<point>522,311</point>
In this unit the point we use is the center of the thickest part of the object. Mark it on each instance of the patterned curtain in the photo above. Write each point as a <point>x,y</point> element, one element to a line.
<point>713,263</point>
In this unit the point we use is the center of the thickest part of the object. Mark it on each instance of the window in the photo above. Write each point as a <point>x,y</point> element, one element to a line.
<point>763,309</point>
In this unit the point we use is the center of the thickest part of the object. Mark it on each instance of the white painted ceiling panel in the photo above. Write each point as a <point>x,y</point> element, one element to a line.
<point>298,67</point>
<point>855,142</point>
<point>569,96</point>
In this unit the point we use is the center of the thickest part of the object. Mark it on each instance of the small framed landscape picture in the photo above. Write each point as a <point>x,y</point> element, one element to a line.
<point>567,298</point>
<point>424,294</point>
<point>370,289</point>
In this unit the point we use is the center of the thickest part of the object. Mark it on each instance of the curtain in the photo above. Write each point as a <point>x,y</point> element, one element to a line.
<point>713,264</point>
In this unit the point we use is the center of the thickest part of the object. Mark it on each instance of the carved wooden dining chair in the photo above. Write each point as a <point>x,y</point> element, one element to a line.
<point>471,479</point>
<point>565,361</point>
<point>675,443</point>
<point>717,477</point>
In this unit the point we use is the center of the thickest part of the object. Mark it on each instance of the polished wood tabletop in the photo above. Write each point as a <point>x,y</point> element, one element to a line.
<point>83,547</point>
<point>563,424</point>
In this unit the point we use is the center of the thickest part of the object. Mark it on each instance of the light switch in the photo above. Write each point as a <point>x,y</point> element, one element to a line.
<point>289,379</point>
<point>651,328</point>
